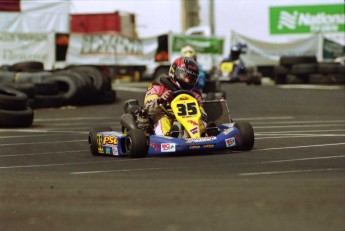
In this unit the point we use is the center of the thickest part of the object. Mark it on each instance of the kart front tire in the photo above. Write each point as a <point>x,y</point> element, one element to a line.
<point>247,134</point>
<point>136,143</point>
<point>93,146</point>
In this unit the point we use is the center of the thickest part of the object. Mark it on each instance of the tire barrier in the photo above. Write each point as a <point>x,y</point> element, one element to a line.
<point>26,85</point>
<point>14,111</point>
<point>306,69</point>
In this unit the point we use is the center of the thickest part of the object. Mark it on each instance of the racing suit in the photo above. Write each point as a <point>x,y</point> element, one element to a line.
<point>162,123</point>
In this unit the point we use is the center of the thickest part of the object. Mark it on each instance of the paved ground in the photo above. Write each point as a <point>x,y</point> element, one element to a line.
<point>292,180</point>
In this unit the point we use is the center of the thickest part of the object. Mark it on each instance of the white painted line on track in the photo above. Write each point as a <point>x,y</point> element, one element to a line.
<point>301,122</point>
<point>304,159</point>
<point>304,131</point>
<point>301,126</point>
<point>65,164</point>
<point>296,147</point>
<point>74,118</point>
<point>42,153</point>
<point>46,142</point>
<point>310,86</point>
<point>133,89</point>
<point>122,170</point>
<point>267,118</point>
<point>290,171</point>
<point>298,136</point>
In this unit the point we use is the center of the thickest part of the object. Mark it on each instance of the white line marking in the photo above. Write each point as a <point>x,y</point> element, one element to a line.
<point>121,170</point>
<point>304,159</point>
<point>300,126</point>
<point>31,136</point>
<point>42,153</point>
<point>291,171</point>
<point>304,131</point>
<point>298,136</point>
<point>47,142</point>
<point>310,86</point>
<point>267,118</point>
<point>74,118</point>
<point>66,164</point>
<point>302,122</point>
<point>295,147</point>
<point>133,89</point>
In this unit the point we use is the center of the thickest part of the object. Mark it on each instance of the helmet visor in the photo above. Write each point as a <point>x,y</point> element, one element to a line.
<point>186,78</point>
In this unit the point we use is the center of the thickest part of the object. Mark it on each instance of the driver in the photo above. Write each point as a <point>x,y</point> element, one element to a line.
<point>183,75</point>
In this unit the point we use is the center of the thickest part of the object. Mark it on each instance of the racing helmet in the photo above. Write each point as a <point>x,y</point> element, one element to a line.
<point>235,51</point>
<point>188,51</point>
<point>184,72</point>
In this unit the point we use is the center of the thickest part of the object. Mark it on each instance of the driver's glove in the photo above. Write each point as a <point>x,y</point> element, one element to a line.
<point>165,97</point>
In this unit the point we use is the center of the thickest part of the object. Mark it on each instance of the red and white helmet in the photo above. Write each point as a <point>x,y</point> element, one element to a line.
<point>184,72</point>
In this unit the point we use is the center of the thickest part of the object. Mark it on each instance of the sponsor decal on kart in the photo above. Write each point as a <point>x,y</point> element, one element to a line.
<point>107,150</point>
<point>194,147</point>
<point>99,143</point>
<point>115,150</point>
<point>238,138</point>
<point>208,146</point>
<point>227,131</point>
<point>109,140</point>
<point>194,130</point>
<point>192,122</point>
<point>201,139</point>
<point>155,146</point>
<point>230,142</point>
<point>168,147</point>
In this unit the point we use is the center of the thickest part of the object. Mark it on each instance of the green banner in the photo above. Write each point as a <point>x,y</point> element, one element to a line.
<point>307,19</point>
<point>202,45</point>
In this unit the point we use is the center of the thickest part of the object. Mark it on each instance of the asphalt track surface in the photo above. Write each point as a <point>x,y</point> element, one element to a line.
<point>293,179</point>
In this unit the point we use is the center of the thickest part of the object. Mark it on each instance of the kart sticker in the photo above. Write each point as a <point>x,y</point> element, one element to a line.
<point>194,147</point>
<point>109,140</point>
<point>194,130</point>
<point>208,146</point>
<point>230,142</point>
<point>201,139</point>
<point>155,146</point>
<point>227,131</point>
<point>168,147</point>
<point>115,151</point>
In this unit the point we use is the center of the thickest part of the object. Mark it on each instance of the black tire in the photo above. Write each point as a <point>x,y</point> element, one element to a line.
<point>11,99</point>
<point>27,88</point>
<point>30,66</point>
<point>327,68</point>
<point>136,144</point>
<point>304,68</point>
<point>69,87</point>
<point>96,76</point>
<point>288,61</point>
<point>7,76</point>
<point>44,101</point>
<point>47,88</point>
<point>16,119</point>
<point>247,134</point>
<point>92,139</point>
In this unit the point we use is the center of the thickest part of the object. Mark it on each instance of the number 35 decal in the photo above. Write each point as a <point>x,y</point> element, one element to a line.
<point>187,109</point>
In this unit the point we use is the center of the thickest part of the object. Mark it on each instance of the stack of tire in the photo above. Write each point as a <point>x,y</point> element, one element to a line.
<point>14,109</point>
<point>306,69</point>
<point>78,85</point>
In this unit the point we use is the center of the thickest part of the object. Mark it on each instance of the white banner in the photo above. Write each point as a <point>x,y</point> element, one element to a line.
<point>262,53</point>
<point>37,16</point>
<point>110,49</point>
<point>23,47</point>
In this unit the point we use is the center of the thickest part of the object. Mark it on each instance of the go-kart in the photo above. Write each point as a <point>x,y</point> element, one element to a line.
<point>137,138</point>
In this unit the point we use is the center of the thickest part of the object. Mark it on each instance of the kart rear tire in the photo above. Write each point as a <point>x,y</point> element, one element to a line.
<point>136,143</point>
<point>93,146</point>
<point>247,134</point>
